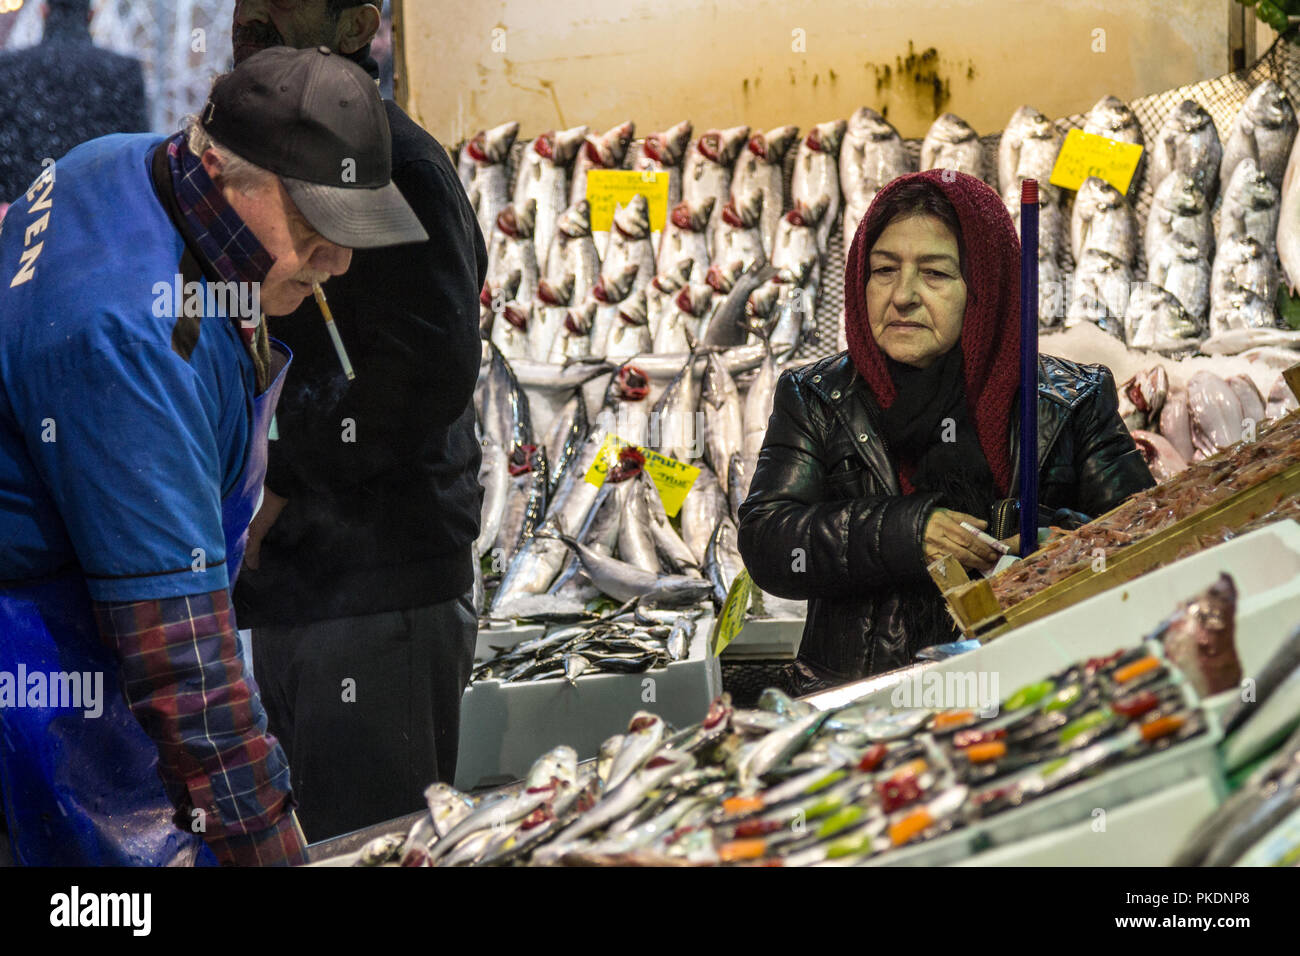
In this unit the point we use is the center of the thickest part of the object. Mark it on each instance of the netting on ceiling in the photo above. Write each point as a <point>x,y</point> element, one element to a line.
<point>1221,96</point>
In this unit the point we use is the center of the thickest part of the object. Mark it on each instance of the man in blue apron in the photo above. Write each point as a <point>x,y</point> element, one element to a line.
<point>137,384</point>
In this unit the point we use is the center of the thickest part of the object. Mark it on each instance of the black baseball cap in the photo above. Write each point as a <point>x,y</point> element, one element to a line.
<point>316,120</point>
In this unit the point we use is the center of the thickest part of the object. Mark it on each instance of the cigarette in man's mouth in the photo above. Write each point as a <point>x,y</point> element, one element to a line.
<point>334,332</point>
<point>988,539</point>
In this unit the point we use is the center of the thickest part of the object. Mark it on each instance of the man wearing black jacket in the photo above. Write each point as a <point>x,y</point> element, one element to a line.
<point>358,576</point>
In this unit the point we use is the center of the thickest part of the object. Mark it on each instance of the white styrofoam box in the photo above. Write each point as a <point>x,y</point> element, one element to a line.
<point>1146,832</point>
<point>767,638</point>
<point>505,727</point>
<point>500,634</point>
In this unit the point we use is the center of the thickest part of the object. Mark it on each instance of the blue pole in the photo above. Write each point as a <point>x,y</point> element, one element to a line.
<point>1028,366</point>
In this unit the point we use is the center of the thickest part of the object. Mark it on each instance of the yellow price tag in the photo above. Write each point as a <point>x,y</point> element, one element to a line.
<point>671,477</point>
<point>732,619</point>
<point>607,188</point>
<point>1086,154</point>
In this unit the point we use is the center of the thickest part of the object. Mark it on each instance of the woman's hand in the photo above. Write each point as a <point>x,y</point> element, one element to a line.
<point>945,535</point>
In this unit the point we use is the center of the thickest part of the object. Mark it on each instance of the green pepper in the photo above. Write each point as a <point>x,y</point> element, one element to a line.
<point>1029,694</point>
<point>840,820</point>
<point>850,846</point>
<point>835,776</point>
<point>1090,720</point>
<point>823,807</point>
<point>1065,698</point>
<point>1052,766</point>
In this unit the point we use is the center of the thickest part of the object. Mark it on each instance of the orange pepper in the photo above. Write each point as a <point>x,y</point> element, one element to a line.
<point>913,768</point>
<point>742,850</point>
<point>1136,669</point>
<point>910,826</point>
<point>734,806</point>
<point>1162,726</point>
<point>951,718</point>
<point>982,753</point>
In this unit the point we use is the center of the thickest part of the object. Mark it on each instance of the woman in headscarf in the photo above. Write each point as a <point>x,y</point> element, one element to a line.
<point>875,457</point>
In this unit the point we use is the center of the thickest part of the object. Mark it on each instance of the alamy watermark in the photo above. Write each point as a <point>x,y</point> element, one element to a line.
<point>62,690</point>
<point>235,300</point>
<point>951,690</point>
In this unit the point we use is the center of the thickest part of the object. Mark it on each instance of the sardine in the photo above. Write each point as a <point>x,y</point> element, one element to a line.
<point>663,152</point>
<point>707,172</point>
<point>871,156</point>
<point>1264,130</point>
<point>817,175</point>
<point>1188,143</point>
<point>950,143</point>
<point>760,168</point>
<point>779,746</point>
<point>543,176</point>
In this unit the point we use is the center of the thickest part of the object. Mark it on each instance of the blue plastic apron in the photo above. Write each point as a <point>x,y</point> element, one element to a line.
<point>82,791</point>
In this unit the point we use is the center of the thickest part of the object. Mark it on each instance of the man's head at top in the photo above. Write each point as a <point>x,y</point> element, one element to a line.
<point>342,25</point>
<point>299,145</point>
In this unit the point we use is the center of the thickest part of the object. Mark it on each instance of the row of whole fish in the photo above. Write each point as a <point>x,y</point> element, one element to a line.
<point>789,784</point>
<point>1174,427</point>
<point>557,541</point>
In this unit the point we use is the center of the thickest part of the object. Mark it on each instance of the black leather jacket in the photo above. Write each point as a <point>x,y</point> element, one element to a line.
<point>826,519</point>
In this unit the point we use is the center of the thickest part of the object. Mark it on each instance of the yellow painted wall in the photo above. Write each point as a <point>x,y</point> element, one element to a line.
<point>556,63</point>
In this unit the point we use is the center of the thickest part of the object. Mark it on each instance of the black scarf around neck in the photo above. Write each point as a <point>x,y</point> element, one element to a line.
<point>928,428</point>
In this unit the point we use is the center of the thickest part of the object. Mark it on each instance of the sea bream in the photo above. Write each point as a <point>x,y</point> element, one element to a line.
<point>1102,220</point>
<point>1156,321</point>
<point>684,237</point>
<point>739,237</point>
<point>950,143</point>
<point>628,334</point>
<point>871,156</point>
<point>544,177</point>
<point>511,250</point>
<point>1188,143</point>
<point>817,174</point>
<point>610,293</point>
<point>1100,294</point>
<point>663,153</point>
<point>680,327</point>
<point>629,243</point>
<point>488,186</point>
<point>1111,117</point>
<point>1180,267</point>
<point>1179,208</point>
<point>573,252</point>
<point>1264,130</point>
<point>1251,206</point>
<point>1027,149</point>
<point>1243,284</point>
<point>760,167</point>
<point>1288,224</point>
<point>707,172</point>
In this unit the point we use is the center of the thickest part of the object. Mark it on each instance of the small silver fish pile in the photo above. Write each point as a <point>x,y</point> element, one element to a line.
<point>629,644</point>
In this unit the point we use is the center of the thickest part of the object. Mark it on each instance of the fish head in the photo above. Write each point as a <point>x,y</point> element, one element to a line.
<point>669,146</point>
<point>721,278</point>
<point>951,128</point>
<point>826,137</point>
<point>761,302</point>
<point>730,142</point>
<point>694,298</point>
<point>629,464</point>
<point>524,459</point>
<point>745,213</point>
<point>678,274</point>
<point>866,123</point>
<point>557,293</point>
<point>579,321</point>
<point>564,145</point>
<point>693,218</point>
<point>1191,117</point>
<point>610,147</point>
<point>575,221</point>
<point>1111,113</point>
<point>1268,106</point>
<point>633,220</point>
<point>492,146</point>
<point>518,314</point>
<point>777,142</point>
<point>615,288</point>
<point>633,309</point>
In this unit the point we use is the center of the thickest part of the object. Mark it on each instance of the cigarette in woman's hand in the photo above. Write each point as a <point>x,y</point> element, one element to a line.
<point>991,541</point>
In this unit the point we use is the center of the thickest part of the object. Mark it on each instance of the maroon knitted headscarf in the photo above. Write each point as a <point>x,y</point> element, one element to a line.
<point>990,333</point>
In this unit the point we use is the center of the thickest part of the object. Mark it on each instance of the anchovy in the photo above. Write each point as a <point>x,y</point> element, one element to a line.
<point>760,168</point>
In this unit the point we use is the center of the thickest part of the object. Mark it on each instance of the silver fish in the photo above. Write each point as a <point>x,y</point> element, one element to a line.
<point>645,732</point>
<point>1252,402</point>
<point>707,172</point>
<point>722,560</point>
<point>1215,413</point>
<point>1243,284</point>
<point>727,325</point>
<point>779,746</point>
<point>573,252</point>
<point>553,302</point>
<point>950,143</point>
<point>1156,321</point>
<point>626,582</point>
<point>740,472</point>
<point>1263,130</point>
<point>738,237</point>
<point>543,176</point>
<point>606,151</point>
<point>564,439</point>
<point>760,168</point>
<point>723,428</point>
<point>629,332</point>
<point>680,326</point>
<point>1188,143</point>
<point>758,406</point>
<point>663,288</point>
<point>573,340</point>
<point>1251,206</point>
<point>663,152</point>
<point>1176,425</point>
<point>487,815</point>
<point>488,187</point>
<point>610,293</point>
<point>1162,458</point>
<point>1100,294</point>
<point>1102,220</point>
<point>674,556</point>
<point>1288,224</point>
<point>1180,209</point>
<point>494,295</point>
<point>737,359</point>
<point>525,503</point>
<point>817,175</point>
<point>629,243</point>
<point>1180,267</point>
<point>1027,149</point>
<point>511,249</point>
<point>505,413</point>
<point>635,543</point>
<point>871,156</point>
<point>675,432</point>
<point>494,477</point>
<point>704,506</point>
<point>684,237</point>
<point>1112,118</point>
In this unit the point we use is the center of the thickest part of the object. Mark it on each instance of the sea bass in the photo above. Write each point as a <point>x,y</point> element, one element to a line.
<point>543,177</point>
<point>606,151</point>
<point>553,302</point>
<point>679,328</point>
<point>573,340</point>
<point>610,293</point>
<point>739,237</point>
<point>661,290</point>
<point>663,153</point>
<point>684,237</point>
<point>628,334</point>
<point>573,252</point>
<point>760,168</point>
<point>488,186</point>
<point>629,243</point>
<point>511,250</point>
<point>817,175</point>
<point>707,172</point>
